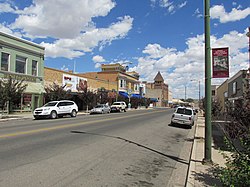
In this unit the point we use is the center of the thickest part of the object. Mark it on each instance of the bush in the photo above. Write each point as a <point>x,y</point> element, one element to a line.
<point>237,170</point>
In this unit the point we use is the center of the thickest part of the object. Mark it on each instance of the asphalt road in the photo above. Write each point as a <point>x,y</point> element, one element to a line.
<point>136,148</point>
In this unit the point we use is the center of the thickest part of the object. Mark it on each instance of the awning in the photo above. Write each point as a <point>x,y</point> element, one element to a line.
<point>138,96</point>
<point>124,94</point>
<point>154,99</point>
<point>36,88</point>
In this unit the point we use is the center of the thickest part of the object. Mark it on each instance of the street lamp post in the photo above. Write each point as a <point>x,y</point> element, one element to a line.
<point>208,95</point>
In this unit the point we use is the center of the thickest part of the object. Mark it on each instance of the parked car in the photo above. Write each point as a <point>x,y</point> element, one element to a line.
<point>56,109</point>
<point>100,109</point>
<point>118,106</point>
<point>183,116</point>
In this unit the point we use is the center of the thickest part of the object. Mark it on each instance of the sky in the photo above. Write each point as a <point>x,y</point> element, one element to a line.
<point>146,35</point>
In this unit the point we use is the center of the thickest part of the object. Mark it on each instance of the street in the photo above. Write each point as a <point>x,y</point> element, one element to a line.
<point>134,148</point>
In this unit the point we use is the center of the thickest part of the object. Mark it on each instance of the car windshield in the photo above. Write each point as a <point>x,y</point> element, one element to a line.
<point>50,104</point>
<point>184,111</point>
<point>99,106</point>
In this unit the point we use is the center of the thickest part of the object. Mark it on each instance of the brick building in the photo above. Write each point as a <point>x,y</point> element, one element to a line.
<point>158,91</point>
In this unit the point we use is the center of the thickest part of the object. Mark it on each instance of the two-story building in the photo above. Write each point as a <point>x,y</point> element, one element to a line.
<point>23,60</point>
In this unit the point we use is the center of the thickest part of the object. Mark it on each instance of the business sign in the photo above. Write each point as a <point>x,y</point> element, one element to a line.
<point>74,83</point>
<point>220,62</point>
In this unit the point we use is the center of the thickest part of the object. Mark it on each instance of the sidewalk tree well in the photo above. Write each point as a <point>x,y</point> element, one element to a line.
<point>237,170</point>
<point>10,92</point>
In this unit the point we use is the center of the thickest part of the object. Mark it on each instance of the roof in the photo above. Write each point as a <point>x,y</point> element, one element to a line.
<point>158,77</point>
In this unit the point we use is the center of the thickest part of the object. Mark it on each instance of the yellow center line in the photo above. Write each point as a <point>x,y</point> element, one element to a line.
<point>67,126</point>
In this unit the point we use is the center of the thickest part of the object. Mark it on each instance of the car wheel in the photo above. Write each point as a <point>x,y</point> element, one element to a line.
<point>53,114</point>
<point>36,117</point>
<point>73,113</point>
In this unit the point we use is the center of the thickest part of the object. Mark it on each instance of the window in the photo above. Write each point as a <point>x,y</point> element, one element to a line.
<point>34,68</point>
<point>122,84</point>
<point>20,64</point>
<point>234,87</point>
<point>5,62</point>
<point>213,92</point>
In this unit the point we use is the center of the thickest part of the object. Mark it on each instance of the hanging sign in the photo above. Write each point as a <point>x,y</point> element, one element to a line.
<point>220,62</point>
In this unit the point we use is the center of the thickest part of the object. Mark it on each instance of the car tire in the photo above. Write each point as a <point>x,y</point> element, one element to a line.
<point>36,117</point>
<point>73,113</point>
<point>53,114</point>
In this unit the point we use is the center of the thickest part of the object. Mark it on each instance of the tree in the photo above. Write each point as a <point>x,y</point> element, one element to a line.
<point>56,92</point>
<point>237,170</point>
<point>10,90</point>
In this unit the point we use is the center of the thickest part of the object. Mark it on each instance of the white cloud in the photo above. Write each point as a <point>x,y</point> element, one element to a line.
<point>219,12</point>
<point>98,59</point>
<point>60,18</point>
<point>180,67</point>
<point>6,7</point>
<point>171,6</point>
<point>76,47</point>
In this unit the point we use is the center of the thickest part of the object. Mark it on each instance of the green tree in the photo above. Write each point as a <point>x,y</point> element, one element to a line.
<point>56,92</point>
<point>237,170</point>
<point>10,90</point>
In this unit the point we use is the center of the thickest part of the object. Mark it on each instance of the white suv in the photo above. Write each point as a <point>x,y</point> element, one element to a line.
<point>118,106</point>
<point>56,109</point>
<point>183,116</point>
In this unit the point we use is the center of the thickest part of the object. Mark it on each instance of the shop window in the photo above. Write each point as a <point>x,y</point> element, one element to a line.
<point>27,101</point>
<point>34,68</point>
<point>20,64</point>
<point>5,62</point>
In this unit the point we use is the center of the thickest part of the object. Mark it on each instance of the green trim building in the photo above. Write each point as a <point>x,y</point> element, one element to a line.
<point>23,60</point>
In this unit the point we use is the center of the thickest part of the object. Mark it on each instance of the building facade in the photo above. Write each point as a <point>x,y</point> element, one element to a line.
<point>23,60</point>
<point>222,95</point>
<point>158,91</point>
<point>115,78</point>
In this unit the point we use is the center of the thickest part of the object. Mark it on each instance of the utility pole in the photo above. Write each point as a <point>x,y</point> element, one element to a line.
<point>208,128</point>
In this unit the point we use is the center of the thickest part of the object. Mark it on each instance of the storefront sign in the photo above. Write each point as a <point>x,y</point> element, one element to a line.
<point>20,77</point>
<point>220,62</point>
<point>73,83</point>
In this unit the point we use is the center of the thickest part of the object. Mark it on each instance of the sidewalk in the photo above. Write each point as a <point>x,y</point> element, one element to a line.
<point>199,174</point>
<point>26,115</point>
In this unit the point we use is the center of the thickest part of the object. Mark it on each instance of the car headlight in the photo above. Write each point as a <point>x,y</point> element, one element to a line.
<point>46,109</point>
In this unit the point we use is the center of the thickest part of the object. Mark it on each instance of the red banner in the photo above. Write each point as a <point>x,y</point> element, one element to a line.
<point>220,62</point>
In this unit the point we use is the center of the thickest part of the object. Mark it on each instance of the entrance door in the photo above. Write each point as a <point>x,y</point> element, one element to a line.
<point>36,98</point>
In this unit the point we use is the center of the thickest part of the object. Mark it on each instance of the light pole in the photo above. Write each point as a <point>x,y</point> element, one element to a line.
<point>208,95</point>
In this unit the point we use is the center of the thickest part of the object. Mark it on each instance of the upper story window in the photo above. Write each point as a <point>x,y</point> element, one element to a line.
<point>34,68</point>
<point>5,61</point>
<point>234,87</point>
<point>20,64</point>
<point>123,83</point>
<point>213,92</point>
<point>136,87</point>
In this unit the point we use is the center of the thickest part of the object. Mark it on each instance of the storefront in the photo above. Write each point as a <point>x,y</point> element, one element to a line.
<point>23,60</point>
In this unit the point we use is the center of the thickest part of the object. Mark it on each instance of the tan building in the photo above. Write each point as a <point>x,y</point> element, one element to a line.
<point>158,91</point>
<point>222,94</point>
<point>114,77</point>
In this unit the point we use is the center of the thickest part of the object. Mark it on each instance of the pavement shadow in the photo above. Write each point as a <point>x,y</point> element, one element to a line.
<point>137,144</point>
<point>207,178</point>
<point>179,126</point>
<point>218,138</point>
